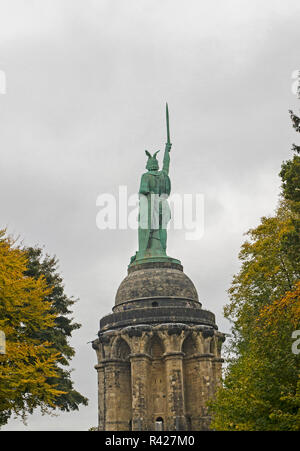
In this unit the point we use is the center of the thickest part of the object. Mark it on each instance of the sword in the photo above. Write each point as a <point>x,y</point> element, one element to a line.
<point>168,125</point>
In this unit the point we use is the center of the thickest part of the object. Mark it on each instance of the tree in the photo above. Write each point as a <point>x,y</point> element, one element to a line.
<point>61,330</point>
<point>261,389</point>
<point>290,174</point>
<point>29,362</point>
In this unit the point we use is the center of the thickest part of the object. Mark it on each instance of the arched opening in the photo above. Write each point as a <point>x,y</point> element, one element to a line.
<point>122,350</point>
<point>155,304</point>
<point>123,385</point>
<point>157,378</point>
<point>188,423</point>
<point>189,346</point>
<point>159,424</point>
<point>190,380</point>
<point>156,347</point>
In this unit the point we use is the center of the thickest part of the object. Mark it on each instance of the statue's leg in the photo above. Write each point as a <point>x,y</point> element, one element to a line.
<point>144,221</point>
<point>162,226</point>
<point>163,238</point>
<point>143,239</point>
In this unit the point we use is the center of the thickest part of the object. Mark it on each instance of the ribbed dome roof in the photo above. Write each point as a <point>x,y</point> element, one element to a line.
<point>156,280</point>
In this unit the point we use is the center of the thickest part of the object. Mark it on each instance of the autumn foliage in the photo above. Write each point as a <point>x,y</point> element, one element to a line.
<point>28,362</point>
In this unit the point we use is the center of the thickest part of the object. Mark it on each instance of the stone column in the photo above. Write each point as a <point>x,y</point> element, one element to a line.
<point>107,370</point>
<point>205,384</point>
<point>101,397</point>
<point>139,386</point>
<point>217,372</point>
<point>113,407</point>
<point>175,392</point>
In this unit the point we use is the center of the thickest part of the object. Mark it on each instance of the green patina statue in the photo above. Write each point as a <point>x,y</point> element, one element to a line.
<point>154,210</point>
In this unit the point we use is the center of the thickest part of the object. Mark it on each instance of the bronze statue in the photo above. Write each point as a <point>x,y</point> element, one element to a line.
<point>154,210</point>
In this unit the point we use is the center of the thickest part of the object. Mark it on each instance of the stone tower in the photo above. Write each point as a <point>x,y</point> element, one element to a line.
<point>159,352</point>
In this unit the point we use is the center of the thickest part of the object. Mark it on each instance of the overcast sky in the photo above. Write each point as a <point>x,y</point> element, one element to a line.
<point>87,83</point>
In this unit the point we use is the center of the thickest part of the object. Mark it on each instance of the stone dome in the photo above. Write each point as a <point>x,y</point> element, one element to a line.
<point>156,280</point>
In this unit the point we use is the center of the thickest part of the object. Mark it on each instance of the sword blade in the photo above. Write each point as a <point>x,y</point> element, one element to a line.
<point>168,125</point>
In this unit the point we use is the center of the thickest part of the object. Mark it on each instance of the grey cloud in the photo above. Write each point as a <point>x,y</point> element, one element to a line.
<point>86,87</point>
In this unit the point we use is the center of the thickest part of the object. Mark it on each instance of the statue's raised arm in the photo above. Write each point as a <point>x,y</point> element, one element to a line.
<point>166,160</point>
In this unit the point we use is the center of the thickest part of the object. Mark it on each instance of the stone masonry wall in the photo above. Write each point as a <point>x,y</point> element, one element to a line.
<point>165,372</point>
